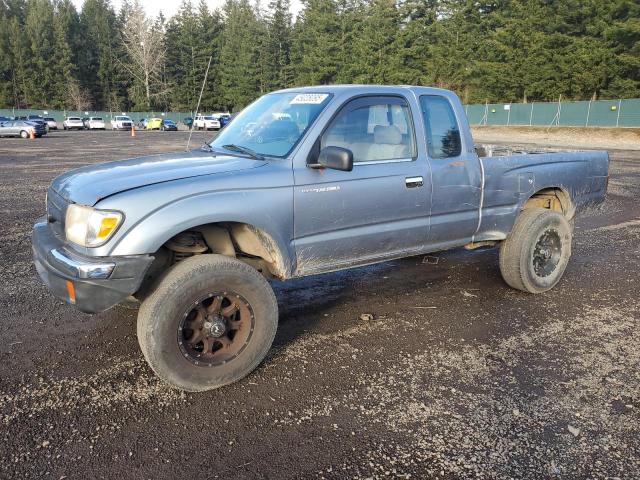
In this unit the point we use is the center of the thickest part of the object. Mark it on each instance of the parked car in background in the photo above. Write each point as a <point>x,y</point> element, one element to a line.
<point>223,118</point>
<point>188,121</point>
<point>168,126</point>
<point>154,124</point>
<point>21,128</point>
<point>142,123</point>
<point>4,119</point>
<point>71,123</point>
<point>94,123</point>
<point>51,122</point>
<point>122,122</point>
<point>39,120</point>
<point>206,122</point>
<point>161,124</point>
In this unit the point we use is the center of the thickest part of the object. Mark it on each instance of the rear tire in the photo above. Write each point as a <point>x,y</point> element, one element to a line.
<point>24,134</point>
<point>179,323</point>
<point>536,252</point>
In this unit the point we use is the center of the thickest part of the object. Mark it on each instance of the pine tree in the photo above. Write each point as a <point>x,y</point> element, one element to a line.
<point>375,44</point>
<point>180,63</point>
<point>238,71</point>
<point>19,65</point>
<point>318,53</point>
<point>208,39</point>
<point>277,45</point>
<point>99,62</point>
<point>38,30</point>
<point>6,74</point>
<point>65,23</point>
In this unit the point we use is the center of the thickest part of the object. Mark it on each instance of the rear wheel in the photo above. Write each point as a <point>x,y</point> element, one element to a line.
<point>209,322</point>
<point>536,252</point>
<point>24,134</point>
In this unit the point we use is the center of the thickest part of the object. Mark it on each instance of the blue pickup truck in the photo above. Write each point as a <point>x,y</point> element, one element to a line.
<point>303,181</point>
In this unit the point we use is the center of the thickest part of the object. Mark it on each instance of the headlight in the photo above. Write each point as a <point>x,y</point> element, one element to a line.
<point>90,227</point>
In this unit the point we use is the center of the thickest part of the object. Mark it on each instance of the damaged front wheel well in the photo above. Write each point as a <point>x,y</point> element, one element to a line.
<point>232,239</point>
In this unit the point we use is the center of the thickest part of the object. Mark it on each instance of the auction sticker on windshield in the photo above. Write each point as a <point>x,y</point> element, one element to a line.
<point>314,98</point>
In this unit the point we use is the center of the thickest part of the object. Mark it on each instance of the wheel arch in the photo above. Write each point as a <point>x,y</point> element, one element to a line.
<point>242,240</point>
<point>555,198</point>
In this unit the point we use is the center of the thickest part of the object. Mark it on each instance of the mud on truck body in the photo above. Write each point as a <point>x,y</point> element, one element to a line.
<point>303,181</point>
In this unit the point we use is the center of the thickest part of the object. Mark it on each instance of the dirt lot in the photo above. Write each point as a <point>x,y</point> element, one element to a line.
<point>455,376</point>
<point>568,137</point>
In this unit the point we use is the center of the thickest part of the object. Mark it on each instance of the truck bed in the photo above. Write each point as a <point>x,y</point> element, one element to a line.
<point>495,150</point>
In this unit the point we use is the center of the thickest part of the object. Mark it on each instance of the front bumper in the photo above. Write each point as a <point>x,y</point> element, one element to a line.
<point>92,284</point>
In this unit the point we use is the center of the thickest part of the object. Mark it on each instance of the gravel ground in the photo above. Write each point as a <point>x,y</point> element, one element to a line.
<point>567,137</point>
<point>427,367</point>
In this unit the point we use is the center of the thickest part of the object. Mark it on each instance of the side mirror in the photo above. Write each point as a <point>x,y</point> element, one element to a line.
<point>336,158</point>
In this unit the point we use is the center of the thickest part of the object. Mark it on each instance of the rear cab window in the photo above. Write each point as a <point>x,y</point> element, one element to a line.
<point>443,132</point>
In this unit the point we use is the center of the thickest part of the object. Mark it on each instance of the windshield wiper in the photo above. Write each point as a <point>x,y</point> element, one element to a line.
<point>247,151</point>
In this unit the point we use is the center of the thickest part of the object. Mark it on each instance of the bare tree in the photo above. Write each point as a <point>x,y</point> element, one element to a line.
<point>144,43</point>
<point>113,102</point>
<point>77,96</point>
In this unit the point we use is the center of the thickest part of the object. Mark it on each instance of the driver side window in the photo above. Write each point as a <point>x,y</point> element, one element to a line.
<point>374,130</point>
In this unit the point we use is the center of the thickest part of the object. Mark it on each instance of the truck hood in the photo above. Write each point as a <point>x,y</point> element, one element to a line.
<point>88,185</point>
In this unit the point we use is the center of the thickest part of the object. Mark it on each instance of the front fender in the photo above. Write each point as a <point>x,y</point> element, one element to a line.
<point>269,210</point>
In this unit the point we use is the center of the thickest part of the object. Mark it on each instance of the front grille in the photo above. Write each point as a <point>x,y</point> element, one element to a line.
<point>56,211</point>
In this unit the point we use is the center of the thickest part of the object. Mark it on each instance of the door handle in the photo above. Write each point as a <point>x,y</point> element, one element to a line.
<point>413,182</point>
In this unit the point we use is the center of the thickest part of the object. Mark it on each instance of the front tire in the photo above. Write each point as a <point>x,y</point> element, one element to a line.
<point>536,252</point>
<point>209,322</point>
<point>24,134</point>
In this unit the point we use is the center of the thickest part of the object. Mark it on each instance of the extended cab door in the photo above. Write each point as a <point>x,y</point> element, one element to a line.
<point>377,210</point>
<point>456,175</point>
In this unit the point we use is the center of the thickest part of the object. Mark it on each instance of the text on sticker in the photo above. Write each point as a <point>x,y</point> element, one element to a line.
<point>314,98</point>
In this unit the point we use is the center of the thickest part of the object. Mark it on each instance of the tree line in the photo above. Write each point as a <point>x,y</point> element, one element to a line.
<point>53,56</point>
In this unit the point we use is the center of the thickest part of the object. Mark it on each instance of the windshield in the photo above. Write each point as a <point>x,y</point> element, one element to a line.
<point>97,119</point>
<point>74,118</point>
<point>273,124</point>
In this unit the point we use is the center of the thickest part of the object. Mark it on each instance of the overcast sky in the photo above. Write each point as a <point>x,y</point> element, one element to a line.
<point>170,7</point>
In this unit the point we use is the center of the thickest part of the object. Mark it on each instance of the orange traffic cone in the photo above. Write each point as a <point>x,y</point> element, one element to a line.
<point>133,131</point>
<point>32,135</point>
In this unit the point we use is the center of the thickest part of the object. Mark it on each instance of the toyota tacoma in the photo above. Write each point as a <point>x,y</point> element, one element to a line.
<point>303,181</point>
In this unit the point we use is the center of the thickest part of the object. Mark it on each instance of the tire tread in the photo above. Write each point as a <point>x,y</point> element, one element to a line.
<point>170,285</point>
<point>512,263</point>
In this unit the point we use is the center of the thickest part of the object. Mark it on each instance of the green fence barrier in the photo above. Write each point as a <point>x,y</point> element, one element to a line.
<point>60,115</point>
<point>597,113</point>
